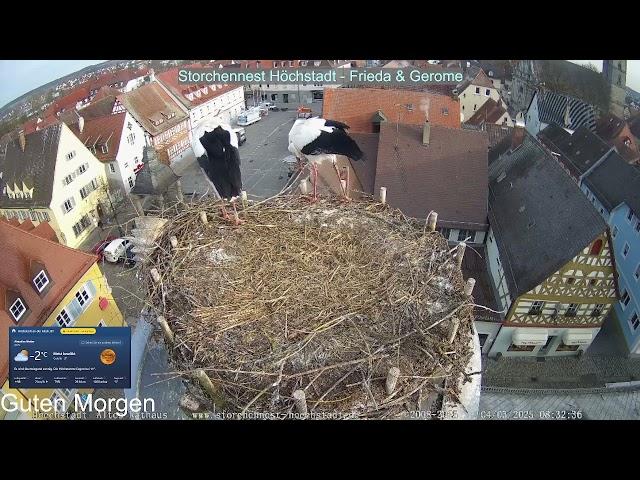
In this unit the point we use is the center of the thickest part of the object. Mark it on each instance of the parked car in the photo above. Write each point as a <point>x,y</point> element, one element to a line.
<point>116,250</point>
<point>99,247</point>
<point>304,112</point>
<point>268,106</point>
<point>248,117</point>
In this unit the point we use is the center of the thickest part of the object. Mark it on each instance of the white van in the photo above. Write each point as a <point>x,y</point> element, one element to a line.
<point>248,117</point>
<point>115,251</point>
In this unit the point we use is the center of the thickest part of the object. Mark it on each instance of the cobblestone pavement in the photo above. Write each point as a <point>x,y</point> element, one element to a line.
<point>590,371</point>
<point>598,404</point>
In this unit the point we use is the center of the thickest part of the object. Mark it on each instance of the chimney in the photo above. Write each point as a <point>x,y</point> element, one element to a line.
<point>81,123</point>
<point>426,132</point>
<point>23,140</point>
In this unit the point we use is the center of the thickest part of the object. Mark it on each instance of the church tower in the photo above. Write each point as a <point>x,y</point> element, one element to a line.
<point>615,72</point>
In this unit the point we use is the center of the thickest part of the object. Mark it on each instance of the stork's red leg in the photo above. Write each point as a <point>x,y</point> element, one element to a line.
<point>225,215</point>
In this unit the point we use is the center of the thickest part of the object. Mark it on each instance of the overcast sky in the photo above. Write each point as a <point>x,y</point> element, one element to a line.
<point>18,77</point>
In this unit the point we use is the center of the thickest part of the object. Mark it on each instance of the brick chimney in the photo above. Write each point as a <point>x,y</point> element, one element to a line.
<point>426,133</point>
<point>81,124</point>
<point>23,140</point>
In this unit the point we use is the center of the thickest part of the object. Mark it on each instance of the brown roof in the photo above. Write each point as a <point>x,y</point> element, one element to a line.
<point>489,112</point>
<point>43,229</point>
<point>69,101</point>
<point>22,252</point>
<point>482,80</point>
<point>149,102</point>
<point>617,133</point>
<point>448,176</point>
<point>102,131</point>
<point>357,106</point>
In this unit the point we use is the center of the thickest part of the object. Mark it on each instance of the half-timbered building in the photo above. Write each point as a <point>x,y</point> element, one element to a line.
<point>549,256</point>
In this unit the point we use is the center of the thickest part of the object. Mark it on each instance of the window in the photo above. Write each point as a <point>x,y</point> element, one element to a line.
<point>463,235</point>
<point>82,225</point>
<point>17,309</point>
<point>638,226</point>
<point>67,180</point>
<point>572,310</point>
<point>637,272</point>
<point>536,308</point>
<point>521,348</point>
<point>597,311</point>
<point>445,111</point>
<point>41,281</point>
<point>71,154</point>
<point>83,168</point>
<point>131,182</point>
<point>478,90</point>
<point>131,138</point>
<point>593,282</point>
<point>446,232</point>
<point>126,164</point>
<point>630,215</point>
<point>570,280</point>
<point>634,321</point>
<point>64,319</point>
<point>102,323</point>
<point>567,348</point>
<point>104,148</point>
<point>112,167</point>
<point>483,338</point>
<point>615,232</point>
<point>68,205</point>
<point>487,92</point>
<point>624,300</point>
<point>83,297</point>
<point>475,107</point>
<point>625,250</point>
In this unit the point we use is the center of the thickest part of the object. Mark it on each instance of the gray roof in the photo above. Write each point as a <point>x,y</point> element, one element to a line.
<point>155,177</point>
<point>553,106</point>
<point>580,150</point>
<point>614,181</point>
<point>35,167</point>
<point>540,217</point>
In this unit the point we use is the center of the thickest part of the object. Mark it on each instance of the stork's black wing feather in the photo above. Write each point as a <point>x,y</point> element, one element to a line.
<point>337,124</point>
<point>337,142</point>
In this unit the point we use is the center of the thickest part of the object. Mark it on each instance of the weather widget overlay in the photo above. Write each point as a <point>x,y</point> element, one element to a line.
<point>76,357</point>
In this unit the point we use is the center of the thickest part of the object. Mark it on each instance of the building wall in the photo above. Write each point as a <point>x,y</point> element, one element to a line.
<point>470,236</point>
<point>522,85</point>
<point>487,333</point>
<point>532,118</point>
<point>627,233</point>
<point>496,272</point>
<point>586,281</point>
<point>92,316</point>
<point>64,222</point>
<point>225,108</point>
<point>504,340</point>
<point>470,101</point>
<point>129,154</point>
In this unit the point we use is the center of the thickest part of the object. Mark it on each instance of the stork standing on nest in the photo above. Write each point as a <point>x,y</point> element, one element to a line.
<point>215,146</point>
<point>313,138</point>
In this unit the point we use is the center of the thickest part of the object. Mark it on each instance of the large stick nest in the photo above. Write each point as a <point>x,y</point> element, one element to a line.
<point>323,297</point>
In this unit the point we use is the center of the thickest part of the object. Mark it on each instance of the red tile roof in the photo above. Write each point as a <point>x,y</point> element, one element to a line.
<point>69,101</point>
<point>119,76</point>
<point>100,131</point>
<point>448,176</point>
<point>616,132</point>
<point>170,80</point>
<point>34,125</point>
<point>357,106</point>
<point>22,252</point>
<point>43,230</point>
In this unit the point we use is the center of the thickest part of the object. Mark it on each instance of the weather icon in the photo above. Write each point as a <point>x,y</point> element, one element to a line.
<point>22,356</point>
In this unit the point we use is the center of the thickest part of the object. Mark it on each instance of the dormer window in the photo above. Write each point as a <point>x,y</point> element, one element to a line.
<point>104,148</point>
<point>17,309</point>
<point>41,281</point>
<point>71,154</point>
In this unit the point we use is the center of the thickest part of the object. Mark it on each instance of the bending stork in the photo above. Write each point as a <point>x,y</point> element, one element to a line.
<point>312,138</point>
<point>215,145</point>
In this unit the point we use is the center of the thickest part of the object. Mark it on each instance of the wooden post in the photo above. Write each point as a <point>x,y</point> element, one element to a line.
<point>243,197</point>
<point>460,253</point>
<point>174,241</point>
<point>137,203</point>
<point>155,275</point>
<point>203,217</point>
<point>166,329</point>
<point>300,400</point>
<point>304,187</point>
<point>209,387</point>
<point>432,221</point>
<point>454,330</point>
<point>383,195</point>
<point>392,379</point>
<point>468,287</point>
<point>179,193</point>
